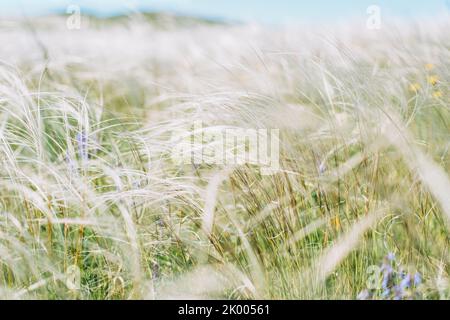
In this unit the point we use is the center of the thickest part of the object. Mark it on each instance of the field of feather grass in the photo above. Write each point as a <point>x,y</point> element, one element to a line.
<point>94,207</point>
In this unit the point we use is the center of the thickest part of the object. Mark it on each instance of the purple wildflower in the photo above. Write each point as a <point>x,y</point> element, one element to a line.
<point>406,282</point>
<point>396,283</point>
<point>390,256</point>
<point>386,293</point>
<point>364,295</point>
<point>417,279</point>
<point>385,283</point>
<point>70,163</point>
<point>82,141</point>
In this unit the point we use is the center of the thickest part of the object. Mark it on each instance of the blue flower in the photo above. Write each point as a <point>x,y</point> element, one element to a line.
<point>385,282</point>
<point>82,141</point>
<point>417,279</point>
<point>386,293</point>
<point>364,295</point>
<point>398,292</point>
<point>406,282</point>
<point>387,275</point>
<point>390,256</point>
<point>396,283</point>
<point>70,163</point>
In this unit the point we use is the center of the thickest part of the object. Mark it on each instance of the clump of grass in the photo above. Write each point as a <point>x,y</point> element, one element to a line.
<point>94,207</point>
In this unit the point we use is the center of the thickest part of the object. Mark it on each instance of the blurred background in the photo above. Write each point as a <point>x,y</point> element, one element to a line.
<point>268,11</point>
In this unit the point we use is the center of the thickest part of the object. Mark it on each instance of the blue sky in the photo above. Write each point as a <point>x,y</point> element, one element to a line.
<point>258,10</point>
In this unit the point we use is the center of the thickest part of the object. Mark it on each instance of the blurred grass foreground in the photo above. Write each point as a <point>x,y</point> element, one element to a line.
<point>94,205</point>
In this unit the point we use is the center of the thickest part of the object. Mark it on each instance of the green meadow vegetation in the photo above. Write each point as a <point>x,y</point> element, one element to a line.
<point>93,204</point>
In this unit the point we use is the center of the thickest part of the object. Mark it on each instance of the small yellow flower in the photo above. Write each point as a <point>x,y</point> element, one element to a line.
<point>414,87</point>
<point>336,222</point>
<point>429,66</point>
<point>437,94</point>
<point>432,80</point>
